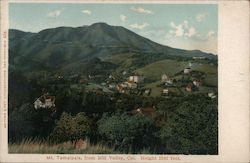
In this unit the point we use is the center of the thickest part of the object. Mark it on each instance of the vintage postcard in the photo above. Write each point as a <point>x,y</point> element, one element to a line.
<point>126,81</point>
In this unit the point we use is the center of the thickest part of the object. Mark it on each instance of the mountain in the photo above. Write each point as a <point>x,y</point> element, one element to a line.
<point>65,46</point>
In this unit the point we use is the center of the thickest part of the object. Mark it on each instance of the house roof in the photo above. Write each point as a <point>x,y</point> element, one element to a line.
<point>131,82</point>
<point>45,97</point>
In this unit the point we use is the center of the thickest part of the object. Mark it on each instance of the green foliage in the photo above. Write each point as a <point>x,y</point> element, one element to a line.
<point>128,132</point>
<point>192,128</point>
<point>25,122</point>
<point>42,146</point>
<point>71,128</point>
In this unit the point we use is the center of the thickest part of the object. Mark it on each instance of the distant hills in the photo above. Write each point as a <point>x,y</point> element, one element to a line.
<point>66,46</point>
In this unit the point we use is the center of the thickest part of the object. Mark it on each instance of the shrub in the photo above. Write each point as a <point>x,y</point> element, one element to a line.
<point>191,129</point>
<point>128,132</point>
<point>71,128</point>
<point>25,121</point>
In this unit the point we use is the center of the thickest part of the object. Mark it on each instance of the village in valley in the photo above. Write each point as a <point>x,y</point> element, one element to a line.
<point>183,83</point>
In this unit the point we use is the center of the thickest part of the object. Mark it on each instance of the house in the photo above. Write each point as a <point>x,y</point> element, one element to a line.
<point>83,81</point>
<point>187,70</point>
<point>199,58</point>
<point>147,91</point>
<point>112,86</point>
<point>211,95</point>
<point>144,110</point>
<point>120,88</point>
<point>59,77</point>
<point>165,91</point>
<point>103,84</point>
<point>131,84</point>
<point>124,85</point>
<point>189,87</point>
<point>197,83</point>
<point>111,77</point>
<point>90,76</point>
<point>136,78</point>
<point>169,82</point>
<point>45,101</point>
<point>164,78</point>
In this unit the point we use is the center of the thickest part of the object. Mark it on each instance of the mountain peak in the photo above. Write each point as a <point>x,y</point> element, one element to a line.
<point>100,24</point>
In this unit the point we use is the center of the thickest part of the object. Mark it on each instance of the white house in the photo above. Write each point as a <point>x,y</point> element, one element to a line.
<point>112,86</point>
<point>111,77</point>
<point>164,78</point>
<point>136,79</point>
<point>169,82</point>
<point>131,84</point>
<point>38,104</point>
<point>187,71</point>
<point>199,58</point>
<point>197,83</point>
<point>165,91</point>
<point>211,95</point>
<point>45,101</point>
<point>147,91</point>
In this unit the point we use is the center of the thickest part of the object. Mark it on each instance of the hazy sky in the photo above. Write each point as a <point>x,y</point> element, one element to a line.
<point>189,26</point>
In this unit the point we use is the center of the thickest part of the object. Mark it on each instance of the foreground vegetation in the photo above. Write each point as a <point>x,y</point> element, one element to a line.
<point>42,146</point>
<point>185,125</point>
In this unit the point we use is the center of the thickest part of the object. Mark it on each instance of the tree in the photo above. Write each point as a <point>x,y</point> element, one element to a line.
<point>192,128</point>
<point>128,132</point>
<point>71,128</point>
<point>25,122</point>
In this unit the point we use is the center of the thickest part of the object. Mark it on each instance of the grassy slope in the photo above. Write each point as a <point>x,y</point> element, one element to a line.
<point>211,72</point>
<point>38,146</point>
<point>119,58</point>
<point>156,91</point>
<point>154,70</point>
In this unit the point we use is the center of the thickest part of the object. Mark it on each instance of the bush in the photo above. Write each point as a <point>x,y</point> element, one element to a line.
<point>128,132</point>
<point>25,122</point>
<point>192,129</point>
<point>71,128</point>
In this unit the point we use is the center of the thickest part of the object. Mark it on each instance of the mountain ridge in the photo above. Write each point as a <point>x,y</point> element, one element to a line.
<point>58,46</point>
<point>101,25</point>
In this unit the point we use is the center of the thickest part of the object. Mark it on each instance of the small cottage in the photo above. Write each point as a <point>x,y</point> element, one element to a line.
<point>144,110</point>
<point>83,81</point>
<point>187,70</point>
<point>147,91</point>
<point>165,91</point>
<point>120,88</point>
<point>189,87</point>
<point>112,86</point>
<point>211,95</point>
<point>45,101</point>
<point>169,82</point>
<point>199,58</point>
<point>136,79</point>
<point>164,78</point>
<point>131,84</point>
<point>197,83</point>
